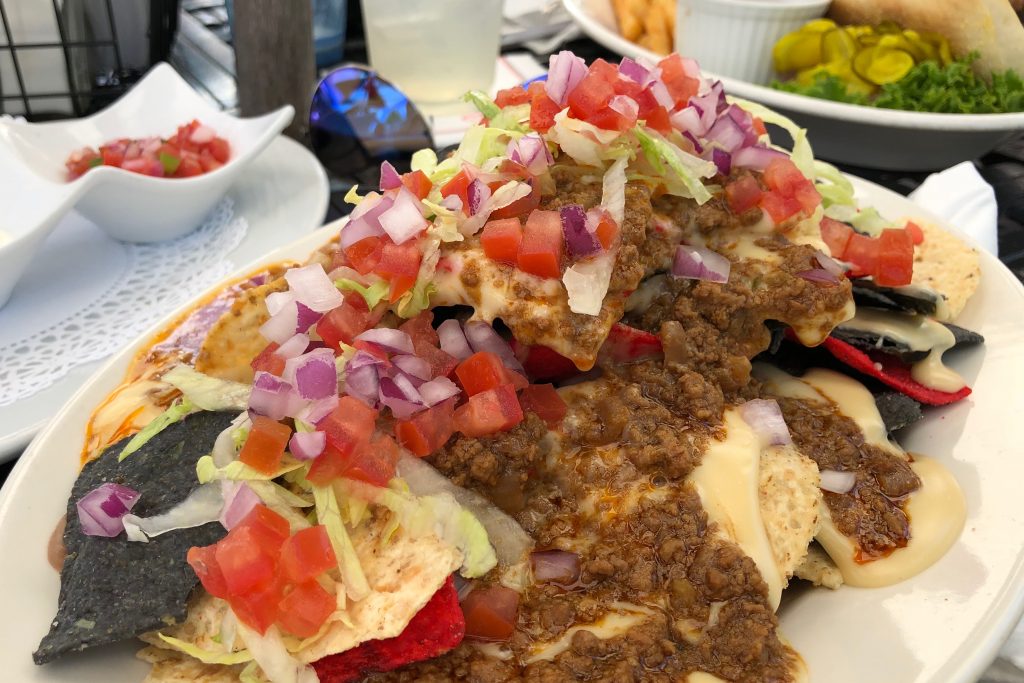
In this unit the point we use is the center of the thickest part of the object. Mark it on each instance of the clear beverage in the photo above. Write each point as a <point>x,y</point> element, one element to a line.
<point>434,50</point>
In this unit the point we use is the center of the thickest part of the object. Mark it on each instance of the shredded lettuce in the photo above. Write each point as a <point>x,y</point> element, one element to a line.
<point>484,104</point>
<point>207,471</point>
<point>207,656</point>
<point>417,299</point>
<point>613,190</point>
<point>328,514</point>
<point>202,506</point>
<point>176,412</point>
<point>802,154</point>
<point>445,226</point>
<point>272,655</point>
<point>371,295</point>
<point>514,118</point>
<point>584,142</point>
<point>481,143</point>
<point>424,160</point>
<point>839,202</point>
<point>282,501</point>
<point>686,169</point>
<point>208,393</point>
<point>353,197</point>
<point>587,283</point>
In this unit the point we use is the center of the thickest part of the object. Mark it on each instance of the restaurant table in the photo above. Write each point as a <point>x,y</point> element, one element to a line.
<point>201,56</point>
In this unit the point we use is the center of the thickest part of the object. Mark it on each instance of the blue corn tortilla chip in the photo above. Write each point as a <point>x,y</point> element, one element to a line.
<point>112,589</point>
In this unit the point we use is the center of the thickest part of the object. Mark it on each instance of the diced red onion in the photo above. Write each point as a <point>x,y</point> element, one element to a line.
<point>452,202</point>
<point>391,340</point>
<point>313,288</point>
<point>578,240</point>
<point>437,390</point>
<point>765,418</point>
<point>755,157</point>
<point>363,383</point>
<point>389,178</point>
<point>632,70</point>
<point>624,106</point>
<point>296,346</point>
<point>698,263</point>
<point>691,68</point>
<point>305,317</point>
<point>201,135</point>
<point>318,409</point>
<point>697,147</point>
<point>726,133</point>
<point>363,358</point>
<point>453,340</point>
<point>477,193</point>
<point>531,151</point>
<point>687,120</point>
<point>100,511</point>
<point>482,337</point>
<point>282,325</point>
<point>358,229</point>
<point>828,263</point>
<point>662,95</point>
<point>371,207</point>
<point>565,71</point>
<point>838,482</point>
<point>272,397</point>
<point>404,220</point>
<point>314,374</point>
<point>818,275</point>
<point>277,300</point>
<point>239,500</point>
<point>745,122</point>
<point>555,566</point>
<point>412,365</point>
<point>397,398</point>
<point>307,445</point>
<point>508,193</point>
<point>405,387</point>
<point>722,159</point>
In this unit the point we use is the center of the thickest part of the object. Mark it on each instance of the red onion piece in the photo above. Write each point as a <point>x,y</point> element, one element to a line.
<point>727,134</point>
<point>662,95</point>
<point>313,288</point>
<point>697,147</point>
<point>625,106</point>
<point>565,71</point>
<point>722,159</point>
<point>100,511</point>
<point>201,135</point>
<point>273,397</point>
<point>401,397</point>
<point>404,220</point>
<point>837,482</point>
<point>828,263</point>
<point>765,418</point>
<point>313,374</point>
<point>391,340</point>
<point>239,500</point>
<point>277,300</point>
<point>482,337</point>
<point>698,263</point>
<point>632,70</point>
<point>307,445</point>
<point>305,317</point>
<point>412,365</point>
<point>452,202</point>
<point>296,346</point>
<point>358,229</point>
<point>477,193</point>
<point>578,240</point>
<point>389,178</point>
<point>555,566</point>
<point>687,120</point>
<point>755,157</point>
<point>318,409</point>
<point>453,340</point>
<point>532,152</point>
<point>361,359</point>
<point>282,325</point>
<point>363,383</point>
<point>818,275</point>
<point>437,390</point>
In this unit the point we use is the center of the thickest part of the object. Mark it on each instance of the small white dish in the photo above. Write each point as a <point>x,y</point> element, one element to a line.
<point>844,133</point>
<point>35,193</point>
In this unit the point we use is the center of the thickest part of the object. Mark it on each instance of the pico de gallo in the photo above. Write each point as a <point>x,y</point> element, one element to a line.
<point>194,149</point>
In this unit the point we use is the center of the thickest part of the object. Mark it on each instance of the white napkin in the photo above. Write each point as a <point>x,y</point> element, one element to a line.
<point>961,196</point>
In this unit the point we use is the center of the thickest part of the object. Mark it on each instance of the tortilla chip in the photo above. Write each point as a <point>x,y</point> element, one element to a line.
<point>235,339</point>
<point>817,567</point>
<point>789,496</point>
<point>944,263</point>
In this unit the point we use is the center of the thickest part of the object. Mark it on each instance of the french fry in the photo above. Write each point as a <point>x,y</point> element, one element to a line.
<point>649,23</point>
<point>628,14</point>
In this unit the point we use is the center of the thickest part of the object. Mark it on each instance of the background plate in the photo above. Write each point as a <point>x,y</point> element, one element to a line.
<point>942,626</point>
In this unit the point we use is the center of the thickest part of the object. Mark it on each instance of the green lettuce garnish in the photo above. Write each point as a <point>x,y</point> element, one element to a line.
<point>207,656</point>
<point>207,471</point>
<point>208,393</point>
<point>424,160</point>
<point>484,104</point>
<point>686,170</point>
<point>371,295</point>
<point>175,413</point>
<point>328,514</point>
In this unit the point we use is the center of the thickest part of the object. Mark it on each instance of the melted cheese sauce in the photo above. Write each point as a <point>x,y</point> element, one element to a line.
<point>616,623</point>
<point>920,333</point>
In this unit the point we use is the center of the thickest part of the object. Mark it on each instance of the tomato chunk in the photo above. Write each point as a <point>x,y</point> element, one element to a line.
<point>501,239</point>
<point>519,207</point>
<point>915,231</point>
<point>783,176</point>
<point>265,445</point>
<point>512,96</point>
<point>259,608</point>
<point>307,554</point>
<point>491,613</point>
<point>542,108</point>
<point>269,529</point>
<point>836,236</point>
<point>268,361</point>
<point>592,94</point>
<point>543,400</point>
<point>342,324</point>
<point>203,560</point>
<point>680,86</point>
<point>244,564</point>
<point>351,423</point>
<point>895,265</point>
<point>459,186</point>
<point>607,231</point>
<point>418,183</point>
<point>779,207</point>
<point>862,252</point>
<point>491,411</point>
<point>743,194</point>
<point>540,252</point>
<point>365,254</point>
<point>305,609</point>
<point>426,431</point>
<point>480,372</point>
<point>374,462</point>
<point>398,259</point>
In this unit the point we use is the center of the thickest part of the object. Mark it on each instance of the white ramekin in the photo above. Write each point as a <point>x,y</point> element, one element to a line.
<point>735,37</point>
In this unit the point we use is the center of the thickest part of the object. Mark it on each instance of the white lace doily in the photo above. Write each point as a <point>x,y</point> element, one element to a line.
<point>154,280</point>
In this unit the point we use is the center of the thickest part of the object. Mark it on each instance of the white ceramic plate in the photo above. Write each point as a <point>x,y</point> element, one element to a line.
<point>282,195</point>
<point>847,133</point>
<point>942,626</point>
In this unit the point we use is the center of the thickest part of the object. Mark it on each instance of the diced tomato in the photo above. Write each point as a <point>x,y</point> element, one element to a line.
<point>399,259</point>
<point>542,108</point>
<point>305,609</point>
<point>265,444</point>
<point>428,430</point>
<point>365,254</point>
<point>220,149</point>
<point>421,330</point>
<point>328,466</point>
<point>244,565</point>
<point>501,239</point>
<point>862,252</point>
<point>269,530</point>
<point>342,324</point>
<point>520,207</point>
<point>268,361</point>
<point>188,168</point>
<point>348,425</point>
<point>541,362</point>
<point>625,344</point>
<point>589,100</point>
<point>81,161</point>
<point>512,96</point>
<point>203,561</point>
<point>607,231</point>
<point>652,112</point>
<point>783,176</point>
<point>441,363</point>
<point>418,183</point>
<point>491,613</point>
<point>495,410</point>
<point>779,207</point>
<point>758,125</point>
<point>543,400</point>
<point>400,284</point>
<point>374,462</point>
<point>836,236</point>
<point>680,86</point>
<point>207,161</point>
<point>373,350</point>
<point>627,87</point>
<point>808,197</point>
<point>259,608</point>
<point>459,186</point>
<point>113,155</point>
<point>540,252</point>
<point>307,554</point>
<point>480,372</point>
<point>743,194</point>
<point>915,231</point>
<point>895,265</point>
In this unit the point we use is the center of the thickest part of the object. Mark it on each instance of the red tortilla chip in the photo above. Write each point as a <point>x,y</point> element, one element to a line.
<point>436,629</point>
<point>892,372</point>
